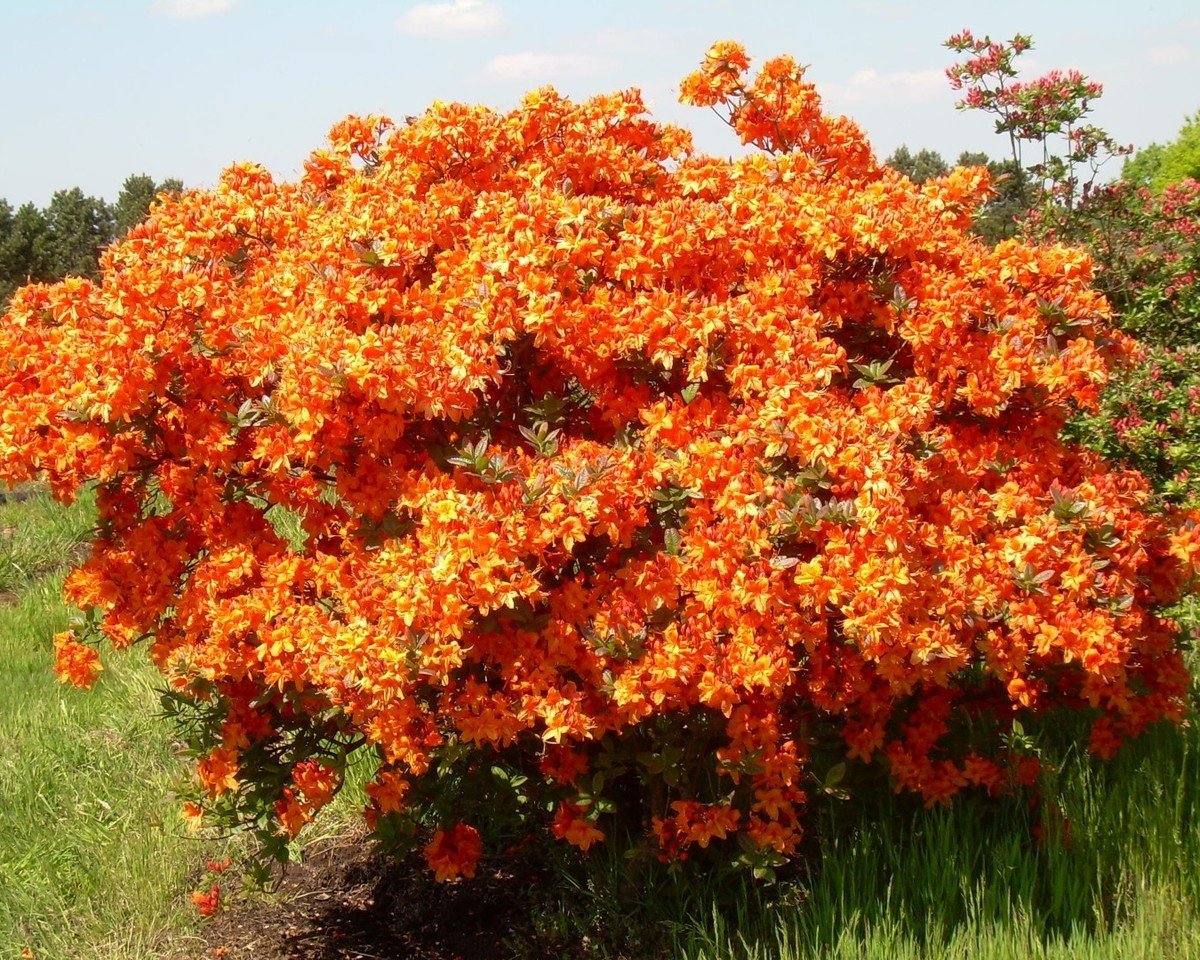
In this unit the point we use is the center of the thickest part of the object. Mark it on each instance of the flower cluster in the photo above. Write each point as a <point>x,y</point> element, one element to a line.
<point>595,485</point>
<point>454,852</point>
<point>76,663</point>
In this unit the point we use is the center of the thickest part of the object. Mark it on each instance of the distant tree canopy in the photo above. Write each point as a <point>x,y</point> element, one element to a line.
<point>1160,165</point>
<point>65,238</point>
<point>25,248</point>
<point>920,166</point>
<point>79,227</point>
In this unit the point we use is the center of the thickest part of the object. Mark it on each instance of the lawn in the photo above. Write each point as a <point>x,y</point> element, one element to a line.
<point>94,859</point>
<point>95,862</point>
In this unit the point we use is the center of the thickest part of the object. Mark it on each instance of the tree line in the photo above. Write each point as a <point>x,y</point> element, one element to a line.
<point>64,238</point>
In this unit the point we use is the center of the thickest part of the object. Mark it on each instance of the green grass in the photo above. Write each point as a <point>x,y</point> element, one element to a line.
<point>39,535</point>
<point>94,862</point>
<point>896,882</point>
<point>93,859</point>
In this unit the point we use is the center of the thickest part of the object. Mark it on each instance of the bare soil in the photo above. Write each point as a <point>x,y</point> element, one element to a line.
<point>347,902</point>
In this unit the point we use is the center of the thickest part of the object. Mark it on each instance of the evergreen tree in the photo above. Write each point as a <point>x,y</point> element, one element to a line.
<point>80,227</point>
<point>1000,217</point>
<point>26,249</point>
<point>919,167</point>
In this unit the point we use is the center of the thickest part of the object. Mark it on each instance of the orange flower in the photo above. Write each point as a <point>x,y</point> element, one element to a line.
<point>74,662</point>
<point>572,825</point>
<point>455,852</point>
<point>563,765</point>
<point>207,901</point>
<point>193,815</point>
<point>387,791</point>
<point>218,771</point>
<point>317,782</point>
<point>291,813</point>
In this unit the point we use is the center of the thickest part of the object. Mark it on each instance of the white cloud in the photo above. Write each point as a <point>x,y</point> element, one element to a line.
<point>905,86</point>
<point>455,19</point>
<point>190,9</point>
<point>1168,53</point>
<point>530,65</point>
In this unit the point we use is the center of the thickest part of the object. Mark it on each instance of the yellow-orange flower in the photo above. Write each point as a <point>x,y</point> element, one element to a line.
<point>571,824</point>
<point>76,663</point>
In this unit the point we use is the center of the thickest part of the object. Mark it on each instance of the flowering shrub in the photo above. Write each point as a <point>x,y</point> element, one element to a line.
<point>1149,417</point>
<point>1147,249</point>
<point>597,487</point>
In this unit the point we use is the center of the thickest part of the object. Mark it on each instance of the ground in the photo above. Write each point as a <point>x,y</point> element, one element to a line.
<point>344,902</point>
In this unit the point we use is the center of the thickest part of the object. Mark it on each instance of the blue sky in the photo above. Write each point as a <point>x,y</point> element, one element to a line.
<point>96,90</point>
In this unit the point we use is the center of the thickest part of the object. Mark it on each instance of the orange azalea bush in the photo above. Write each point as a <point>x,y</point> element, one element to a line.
<point>597,487</point>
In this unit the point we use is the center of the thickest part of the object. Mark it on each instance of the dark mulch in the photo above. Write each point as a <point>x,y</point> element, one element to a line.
<point>346,902</point>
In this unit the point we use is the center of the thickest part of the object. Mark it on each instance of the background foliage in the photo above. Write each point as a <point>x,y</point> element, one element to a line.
<point>1160,165</point>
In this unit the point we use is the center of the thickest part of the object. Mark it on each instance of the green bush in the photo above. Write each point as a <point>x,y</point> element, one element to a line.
<point>1149,417</point>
